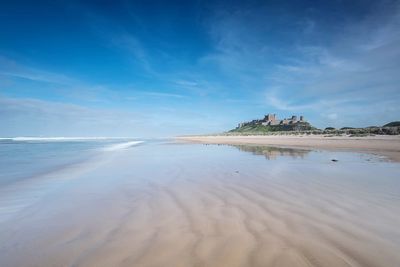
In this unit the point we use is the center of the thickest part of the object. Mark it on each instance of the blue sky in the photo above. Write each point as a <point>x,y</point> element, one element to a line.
<point>162,68</point>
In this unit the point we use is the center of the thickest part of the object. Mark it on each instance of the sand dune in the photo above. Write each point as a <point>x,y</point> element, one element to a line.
<point>213,206</point>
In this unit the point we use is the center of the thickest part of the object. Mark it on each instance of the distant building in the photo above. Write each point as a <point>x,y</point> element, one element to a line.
<point>271,119</point>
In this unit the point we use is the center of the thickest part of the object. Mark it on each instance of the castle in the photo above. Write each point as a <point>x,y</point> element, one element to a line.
<point>271,119</point>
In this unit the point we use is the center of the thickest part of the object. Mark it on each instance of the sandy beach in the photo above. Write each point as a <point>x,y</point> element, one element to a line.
<point>388,146</point>
<point>207,206</point>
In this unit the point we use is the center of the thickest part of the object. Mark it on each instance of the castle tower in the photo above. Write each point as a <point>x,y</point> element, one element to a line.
<point>301,118</point>
<point>270,117</point>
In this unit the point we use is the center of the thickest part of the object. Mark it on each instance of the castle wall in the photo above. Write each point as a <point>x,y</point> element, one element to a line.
<point>271,119</point>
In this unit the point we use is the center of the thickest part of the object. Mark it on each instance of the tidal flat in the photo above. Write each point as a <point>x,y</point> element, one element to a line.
<point>173,204</point>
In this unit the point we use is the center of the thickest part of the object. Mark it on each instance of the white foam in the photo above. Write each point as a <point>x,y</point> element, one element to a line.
<point>61,139</point>
<point>121,146</point>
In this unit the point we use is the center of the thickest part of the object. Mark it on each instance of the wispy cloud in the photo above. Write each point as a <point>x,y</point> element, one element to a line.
<point>73,89</point>
<point>11,68</point>
<point>161,94</point>
<point>60,119</point>
<point>232,62</point>
<point>342,82</point>
<point>49,118</point>
<point>129,43</point>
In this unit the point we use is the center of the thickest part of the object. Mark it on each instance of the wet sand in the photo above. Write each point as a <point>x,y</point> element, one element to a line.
<point>195,205</point>
<point>385,145</point>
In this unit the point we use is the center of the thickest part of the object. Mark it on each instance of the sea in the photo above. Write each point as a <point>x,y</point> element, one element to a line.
<point>33,167</point>
<point>23,158</point>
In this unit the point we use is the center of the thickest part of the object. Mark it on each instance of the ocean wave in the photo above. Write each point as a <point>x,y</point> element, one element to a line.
<point>61,139</point>
<point>121,146</point>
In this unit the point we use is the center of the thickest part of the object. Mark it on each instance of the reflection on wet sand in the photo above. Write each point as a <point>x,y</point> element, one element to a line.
<point>191,205</point>
<point>272,153</point>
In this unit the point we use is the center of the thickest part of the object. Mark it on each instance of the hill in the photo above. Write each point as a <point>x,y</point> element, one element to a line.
<point>392,124</point>
<point>255,128</point>
<point>271,125</point>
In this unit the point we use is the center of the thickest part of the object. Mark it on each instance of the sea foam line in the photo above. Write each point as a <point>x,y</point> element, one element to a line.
<point>121,146</point>
<point>60,139</point>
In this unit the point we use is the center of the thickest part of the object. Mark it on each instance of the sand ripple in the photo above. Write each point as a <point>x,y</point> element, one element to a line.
<point>188,212</point>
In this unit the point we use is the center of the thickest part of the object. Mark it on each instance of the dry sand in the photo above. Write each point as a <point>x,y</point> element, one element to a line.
<point>193,205</point>
<point>385,145</point>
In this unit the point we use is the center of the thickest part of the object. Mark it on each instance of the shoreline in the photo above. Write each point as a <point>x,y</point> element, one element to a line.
<point>384,145</point>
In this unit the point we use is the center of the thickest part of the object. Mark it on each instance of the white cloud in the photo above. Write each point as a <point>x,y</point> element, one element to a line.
<point>33,117</point>
<point>342,83</point>
<point>14,69</point>
<point>162,94</point>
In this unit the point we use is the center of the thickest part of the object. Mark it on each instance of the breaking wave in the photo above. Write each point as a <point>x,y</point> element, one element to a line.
<point>60,139</point>
<point>121,146</point>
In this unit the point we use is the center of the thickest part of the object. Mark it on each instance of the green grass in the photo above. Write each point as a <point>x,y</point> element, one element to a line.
<point>392,124</point>
<point>392,128</point>
<point>261,129</point>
